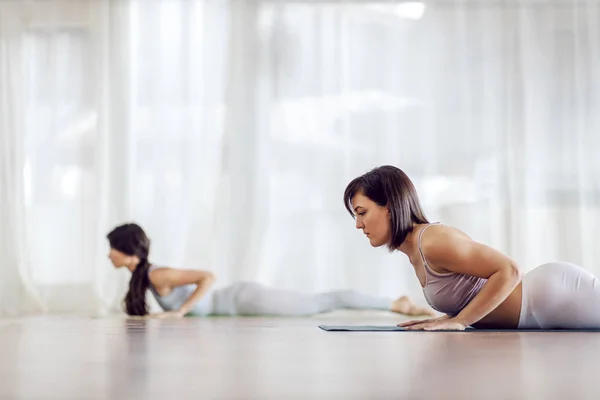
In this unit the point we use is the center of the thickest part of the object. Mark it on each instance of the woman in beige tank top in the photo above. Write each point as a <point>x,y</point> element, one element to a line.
<point>471,283</point>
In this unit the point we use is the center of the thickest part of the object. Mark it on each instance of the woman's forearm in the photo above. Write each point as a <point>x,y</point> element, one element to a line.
<point>497,288</point>
<point>200,291</point>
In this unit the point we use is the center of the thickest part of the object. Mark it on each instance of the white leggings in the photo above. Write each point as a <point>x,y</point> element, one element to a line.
<point>560,295</point>
<point>250,298</point>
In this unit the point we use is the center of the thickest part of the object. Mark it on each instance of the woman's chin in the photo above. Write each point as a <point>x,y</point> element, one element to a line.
<point>375,243</point>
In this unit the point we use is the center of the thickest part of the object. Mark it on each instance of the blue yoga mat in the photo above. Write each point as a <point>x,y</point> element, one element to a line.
<point>393,328</point>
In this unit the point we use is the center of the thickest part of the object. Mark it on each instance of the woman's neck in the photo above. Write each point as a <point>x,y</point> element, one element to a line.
<point>410,243</point>
<point>132,267</point>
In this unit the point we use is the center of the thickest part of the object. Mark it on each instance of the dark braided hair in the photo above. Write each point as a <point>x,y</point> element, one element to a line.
<point>131,239</point>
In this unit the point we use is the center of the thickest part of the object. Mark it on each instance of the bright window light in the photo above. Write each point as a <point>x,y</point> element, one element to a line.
<point>408,10</point>
<point>411,10</point>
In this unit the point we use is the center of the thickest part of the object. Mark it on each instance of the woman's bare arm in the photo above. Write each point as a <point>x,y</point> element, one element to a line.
<point>171,277</point>
<point>452,251</point>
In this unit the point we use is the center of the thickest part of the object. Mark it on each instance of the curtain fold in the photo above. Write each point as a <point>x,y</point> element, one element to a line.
<point>18,295</point>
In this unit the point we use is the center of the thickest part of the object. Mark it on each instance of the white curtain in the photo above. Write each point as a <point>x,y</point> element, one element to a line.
<point>229,128</point>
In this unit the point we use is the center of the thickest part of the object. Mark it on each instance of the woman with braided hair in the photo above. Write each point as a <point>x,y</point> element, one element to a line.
<point>183,292</point>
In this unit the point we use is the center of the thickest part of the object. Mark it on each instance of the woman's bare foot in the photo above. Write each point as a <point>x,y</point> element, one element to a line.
<point>403,305</point>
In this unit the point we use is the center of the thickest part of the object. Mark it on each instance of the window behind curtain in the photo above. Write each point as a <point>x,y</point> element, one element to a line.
<point>60,129</point>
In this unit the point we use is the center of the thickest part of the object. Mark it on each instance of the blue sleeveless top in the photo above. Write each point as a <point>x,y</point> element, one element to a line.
<point>179,295</point>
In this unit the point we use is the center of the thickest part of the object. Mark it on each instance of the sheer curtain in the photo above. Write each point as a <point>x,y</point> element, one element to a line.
<point>17,294</point>
<point>490,106</point>
<point>229,129</point>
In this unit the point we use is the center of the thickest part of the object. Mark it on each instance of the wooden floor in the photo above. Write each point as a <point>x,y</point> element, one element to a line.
<point>266,358</point>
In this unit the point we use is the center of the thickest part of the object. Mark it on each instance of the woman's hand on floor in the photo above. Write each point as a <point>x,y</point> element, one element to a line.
<point>416,322</point>
<point>168,315</point>
<point>434,324</point>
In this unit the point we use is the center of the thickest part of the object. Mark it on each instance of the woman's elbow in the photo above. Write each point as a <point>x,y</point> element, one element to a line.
<point>209,277</point>
<point>515,272</point>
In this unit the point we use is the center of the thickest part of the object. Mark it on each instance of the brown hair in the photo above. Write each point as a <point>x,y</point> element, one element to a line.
<point>389,186</point>
<point>131,239</point>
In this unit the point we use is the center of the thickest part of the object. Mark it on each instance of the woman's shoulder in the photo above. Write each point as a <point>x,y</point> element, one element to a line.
<point>442,243</point>
<point>158,274</point>
<point>437,236</point>
<point>154,267</point>
<point>169,276</point>
<point>443,229</point>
